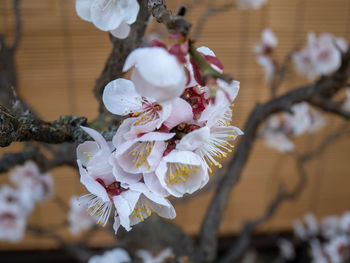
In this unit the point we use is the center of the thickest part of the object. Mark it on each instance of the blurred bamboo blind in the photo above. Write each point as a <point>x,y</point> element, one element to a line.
<point>61,56</point>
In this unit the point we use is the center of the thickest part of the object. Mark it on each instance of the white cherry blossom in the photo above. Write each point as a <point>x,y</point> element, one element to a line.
<point>121,98</point>
<point>12,222</point>
<point>211,142</point>
<point>321,56</point>
<point>115,16</point>
<point>17,197</point>
<point>31,182</point>
<point>338,249</point>
<point>96,174</point>
<point>157,74</point>
<point>137,203</point>
<point>182,172</point>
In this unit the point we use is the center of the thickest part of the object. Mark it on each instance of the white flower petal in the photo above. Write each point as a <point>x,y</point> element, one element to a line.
<point>120,97</point>
<point>83,8</point>
<point>106,14</point>
<point>122,31</point>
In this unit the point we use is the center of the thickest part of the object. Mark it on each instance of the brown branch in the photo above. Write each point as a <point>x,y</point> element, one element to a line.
<point>174,23</point>
<point>326,87</point>
<point>29,128</point>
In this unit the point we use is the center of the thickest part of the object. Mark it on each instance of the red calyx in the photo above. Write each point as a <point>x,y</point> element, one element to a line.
<point>197,100</point>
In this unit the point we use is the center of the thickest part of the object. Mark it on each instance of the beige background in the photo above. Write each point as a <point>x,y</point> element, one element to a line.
<point>61,56</point>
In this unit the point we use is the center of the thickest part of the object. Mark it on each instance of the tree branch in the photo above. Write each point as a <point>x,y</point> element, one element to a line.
<point>326,87</point>
<point>174,23</point>
<point>29,128</point>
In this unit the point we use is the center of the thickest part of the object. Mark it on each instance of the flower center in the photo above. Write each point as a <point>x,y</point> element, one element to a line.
<point>178,173</point>
<point>140,152</point>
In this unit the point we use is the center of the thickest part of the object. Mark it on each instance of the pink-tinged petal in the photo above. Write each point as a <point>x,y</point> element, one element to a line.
<point>98,138</point>
<point>130,9</point>
<point>83,8</point>
<point>122,176</point>
<point>106,15</point>
<point>230,90</point>
<point>194,139</point>
<point>92,185</point>
<point>152,182</point>
<point>120,97</point>
<point>181,112</point>
<point>122,31</point>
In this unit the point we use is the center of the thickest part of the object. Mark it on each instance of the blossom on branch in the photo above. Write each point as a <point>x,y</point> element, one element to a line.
<point>321,56</point>
<point>115,16</point>
<point>177,126</point>
<point>35,185</point>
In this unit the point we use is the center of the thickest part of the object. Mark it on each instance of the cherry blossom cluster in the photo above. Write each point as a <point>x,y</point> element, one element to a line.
<point>280,129</point>
<point>328,241</point>
<point>16,204</point>
<point>177,128</point>
<point>321,56</point>
<point>119,255</point>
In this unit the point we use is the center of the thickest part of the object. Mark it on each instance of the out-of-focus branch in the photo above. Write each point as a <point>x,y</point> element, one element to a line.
<point>174,23</point>
<point>210,11</point>
<point>330,106</point>
<point>240,247</point>
<point>10,160</point>
<point>326,88</point>
<point>121,49</point>
<point>280,75</point>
